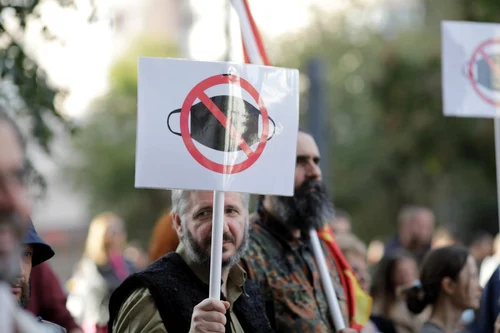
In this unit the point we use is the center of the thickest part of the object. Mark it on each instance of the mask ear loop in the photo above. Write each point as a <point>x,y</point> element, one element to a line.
<point>168,122</point>
<point>274,128</point>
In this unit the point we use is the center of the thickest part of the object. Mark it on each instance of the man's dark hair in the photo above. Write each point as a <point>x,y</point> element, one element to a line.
<point>302,130</point>
<point>5,118</point>
<point>260,198</point>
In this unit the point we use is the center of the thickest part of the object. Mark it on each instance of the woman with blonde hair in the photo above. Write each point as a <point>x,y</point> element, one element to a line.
<point>102,269</point>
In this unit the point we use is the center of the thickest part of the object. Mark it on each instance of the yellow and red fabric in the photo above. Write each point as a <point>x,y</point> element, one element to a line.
<point>358,302</point>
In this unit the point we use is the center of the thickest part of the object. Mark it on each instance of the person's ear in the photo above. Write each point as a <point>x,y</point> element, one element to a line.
<point>448,286</point>
<point>177,224</point>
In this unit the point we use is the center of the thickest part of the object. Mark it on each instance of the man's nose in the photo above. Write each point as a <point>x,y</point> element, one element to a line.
<point>21,268</point>
<point>226,226</point>
<point>313,171</point>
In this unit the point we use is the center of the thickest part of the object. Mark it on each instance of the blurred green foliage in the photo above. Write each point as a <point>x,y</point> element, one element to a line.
<point>391,143</point>
<point>25,90</point>
<point>25,79</point>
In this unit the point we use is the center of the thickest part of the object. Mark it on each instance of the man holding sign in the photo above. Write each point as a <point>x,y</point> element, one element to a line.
<point>171,294</point>
<point>280,259</point>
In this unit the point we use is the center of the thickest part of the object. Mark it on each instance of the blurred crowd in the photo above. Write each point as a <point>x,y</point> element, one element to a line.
<point>423,279</point>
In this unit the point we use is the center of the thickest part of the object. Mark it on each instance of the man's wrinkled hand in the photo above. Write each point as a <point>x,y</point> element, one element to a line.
<point>209,316</point>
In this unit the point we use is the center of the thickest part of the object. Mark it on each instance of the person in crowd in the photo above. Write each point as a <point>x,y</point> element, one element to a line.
<point>354,250</point>
<point>34,252</point>
<point>481,247</point>
<point>15,210</point>
<point>280,259</point>
<point>490,264</point>
<point>443,237</point>
<point>415,229</point>
<point>163,239</point>
<point>48,299</point>
<point>102,269</point>
<point>136,255</point>
<point>487,317</point>
<point>449,282</point>
<point>341,222</point>
<point>171,295</point>
<point>375,252</point>
<point>394,274</point>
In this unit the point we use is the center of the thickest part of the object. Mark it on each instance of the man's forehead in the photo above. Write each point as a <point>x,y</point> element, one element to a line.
<point>424,215</point>
<point>206,198</point>
<point>11,154</point>
<point>196,197</point>
<point>306,146</point>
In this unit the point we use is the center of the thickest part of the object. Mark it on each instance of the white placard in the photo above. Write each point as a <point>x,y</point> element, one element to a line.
<point>471,69</point>
<point>181,140</point>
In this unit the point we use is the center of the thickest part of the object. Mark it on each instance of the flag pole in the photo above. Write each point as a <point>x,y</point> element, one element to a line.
<point>497,159</point>
<point>216,247</point>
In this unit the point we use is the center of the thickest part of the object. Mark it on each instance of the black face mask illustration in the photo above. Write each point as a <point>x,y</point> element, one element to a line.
<point>485,73</point>
<point>208,131</point>
<point>487,76</point>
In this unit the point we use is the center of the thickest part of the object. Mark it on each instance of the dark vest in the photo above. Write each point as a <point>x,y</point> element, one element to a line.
<point>176,290</point>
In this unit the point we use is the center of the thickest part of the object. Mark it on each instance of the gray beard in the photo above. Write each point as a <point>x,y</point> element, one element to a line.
<point>200,255</point>
<point>25,295</point>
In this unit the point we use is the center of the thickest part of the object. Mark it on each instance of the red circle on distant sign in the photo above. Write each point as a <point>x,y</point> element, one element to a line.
<point>186,136</point>
<point>480,51</point>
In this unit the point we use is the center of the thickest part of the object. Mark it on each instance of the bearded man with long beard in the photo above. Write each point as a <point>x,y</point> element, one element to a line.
<point>171,295</point>
<point>280,259</point>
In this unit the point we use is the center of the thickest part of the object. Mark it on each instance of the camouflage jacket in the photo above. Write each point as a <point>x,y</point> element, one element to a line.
<point>285,270</point>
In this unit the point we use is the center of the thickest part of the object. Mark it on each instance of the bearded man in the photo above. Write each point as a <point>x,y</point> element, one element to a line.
<point>171,295</point>
<point>280,259</point>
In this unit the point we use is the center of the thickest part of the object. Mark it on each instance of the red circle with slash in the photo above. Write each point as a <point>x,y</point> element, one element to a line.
<point>198,92</point>
<point>494,67</point>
